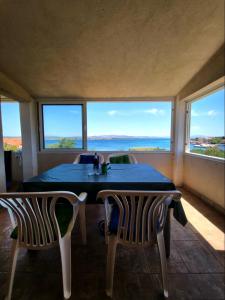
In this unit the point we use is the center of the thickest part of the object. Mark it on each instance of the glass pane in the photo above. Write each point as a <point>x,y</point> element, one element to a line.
<point>62,126</point>
<point>11,126</point>
<point>207,125</point>
<point>134,126</point>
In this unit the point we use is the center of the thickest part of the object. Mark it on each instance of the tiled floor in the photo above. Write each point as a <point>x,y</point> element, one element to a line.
<point>196,265</point>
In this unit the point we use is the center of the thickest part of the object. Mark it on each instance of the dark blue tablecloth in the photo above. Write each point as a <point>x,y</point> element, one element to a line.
<point>76,178</point>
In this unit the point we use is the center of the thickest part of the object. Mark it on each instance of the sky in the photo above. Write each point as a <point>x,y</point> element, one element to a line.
<point>62,120</point>
<point>207,115</point>
<point>10,119</point>
<point>129,118</point>
<point>122,118</point>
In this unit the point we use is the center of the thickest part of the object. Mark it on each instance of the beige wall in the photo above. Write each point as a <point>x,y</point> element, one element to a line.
<point>211,71</point>
<point>205,177</point>
<point>108,49</point>
<point>161,161</point>
<point>2,163</point>
<point>10,88</point>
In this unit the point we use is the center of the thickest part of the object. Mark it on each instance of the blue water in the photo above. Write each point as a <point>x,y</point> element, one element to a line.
<point>125,144</point>
<point>220,146</point>
<point>119,144</point>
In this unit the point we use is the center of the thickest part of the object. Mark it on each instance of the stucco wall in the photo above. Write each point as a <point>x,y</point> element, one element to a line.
<point>205,177</point>
<point>103,49</point>
<point>211,71</point>
<point>161,161</point>
<point>10,88</point>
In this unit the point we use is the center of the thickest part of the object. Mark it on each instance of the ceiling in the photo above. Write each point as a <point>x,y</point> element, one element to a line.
<point>105,48</point>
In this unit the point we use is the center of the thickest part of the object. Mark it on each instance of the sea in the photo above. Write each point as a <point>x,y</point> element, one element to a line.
<point>122,144</point>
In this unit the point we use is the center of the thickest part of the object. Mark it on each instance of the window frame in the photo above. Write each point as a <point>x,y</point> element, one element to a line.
<point>208,90</point>
<point>4,99</point>
<point>41,125</point>
<point>53,101</point>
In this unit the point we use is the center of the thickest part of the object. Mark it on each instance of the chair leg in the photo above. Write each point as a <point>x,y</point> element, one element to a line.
<point>112,244</point>
<point>106,233</point>
<point>162,253</point>
<point>65,252</point>
<point>15,250</point>
<point>82,218</point>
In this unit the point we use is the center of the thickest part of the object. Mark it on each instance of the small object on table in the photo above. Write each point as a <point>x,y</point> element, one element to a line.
<point>96,164</point>
<point>105,168</point>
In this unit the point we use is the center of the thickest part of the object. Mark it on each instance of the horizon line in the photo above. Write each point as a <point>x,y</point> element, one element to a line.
<point>116,135</point>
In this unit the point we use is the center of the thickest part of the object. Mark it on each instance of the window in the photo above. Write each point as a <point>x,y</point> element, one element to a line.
<point>11,125</point>
<point>206,135</point>
<point>129,126</point>
<point>62,126</point>
<point>106,126</point>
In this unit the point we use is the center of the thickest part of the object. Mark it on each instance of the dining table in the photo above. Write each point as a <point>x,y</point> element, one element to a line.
<point>79,178</point>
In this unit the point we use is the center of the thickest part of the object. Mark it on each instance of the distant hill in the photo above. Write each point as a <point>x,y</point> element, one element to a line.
<point>14,141</point>
<point>107,137</point>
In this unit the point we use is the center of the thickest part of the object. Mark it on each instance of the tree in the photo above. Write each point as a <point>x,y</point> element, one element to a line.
<point>64,143</point>
<point>216,140</point>
<point>8,147</point>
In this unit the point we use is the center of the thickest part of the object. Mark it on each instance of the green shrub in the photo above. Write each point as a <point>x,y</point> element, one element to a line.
<point>216,140</point>
<point>8,147</point>
<point>64,143</point>
<point>211,151</point>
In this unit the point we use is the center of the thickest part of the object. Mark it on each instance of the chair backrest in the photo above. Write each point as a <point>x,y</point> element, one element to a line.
<point>141,214</point>
<point>132,158</point>
<point>101,157</point>
<point>36,218</point>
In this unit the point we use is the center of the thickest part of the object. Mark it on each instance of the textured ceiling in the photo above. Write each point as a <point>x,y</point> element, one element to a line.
<point>107,48</point>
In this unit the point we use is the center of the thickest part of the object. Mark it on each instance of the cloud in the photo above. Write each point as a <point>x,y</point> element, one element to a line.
<point>152,111</point>
<point>112,112</point>
<point>122,113</point>
<point>155,111</point>
<point>75,112</point>
<point>212,113</point>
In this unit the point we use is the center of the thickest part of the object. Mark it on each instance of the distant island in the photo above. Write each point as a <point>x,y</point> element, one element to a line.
<point>106,137</point>
<point>207,141</point>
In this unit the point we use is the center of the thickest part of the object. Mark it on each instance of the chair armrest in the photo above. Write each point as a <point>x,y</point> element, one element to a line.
<point>177,196</point>
<point>108,210</point>
<point>82,197</point>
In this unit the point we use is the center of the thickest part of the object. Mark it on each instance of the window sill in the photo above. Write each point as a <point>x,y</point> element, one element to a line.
<point>132,152</point>
<point>75,151</point>
<point>202,156</point>
<point>57,150</point>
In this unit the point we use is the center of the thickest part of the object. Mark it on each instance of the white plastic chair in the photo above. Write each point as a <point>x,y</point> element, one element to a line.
<point>141,220</point>
<point>101,157</point>
<point>38,227</point>
<point>132,158</point>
